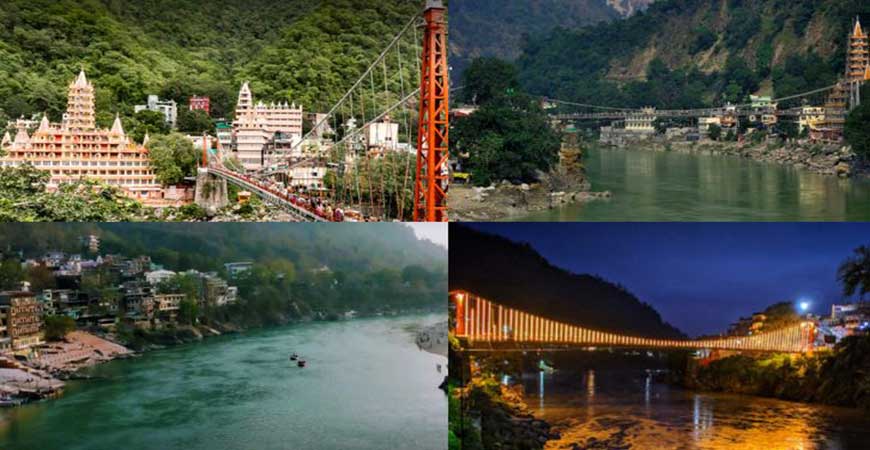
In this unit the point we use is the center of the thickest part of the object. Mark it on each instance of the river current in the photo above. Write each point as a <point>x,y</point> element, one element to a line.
<point>367,386</point>
<point>612,409</point>
<point>673,186</point>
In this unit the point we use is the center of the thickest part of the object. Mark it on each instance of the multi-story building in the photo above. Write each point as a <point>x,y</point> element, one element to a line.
<point>224,133</point>
<point>255,125</point>
<point>168,108</point>
<point>76,149</point>
<point>811,118</point>
<point>235,268</point>
<point>216,291</point>
<point>383,135</point>
<point>842,97</point>
<point>200,104</point>
<point>284,148</point>
<point>641,122</point>
<point>138,301</point>
<point>836,108</point>
<point>158,276</point>
<point>308,175</point>
<point>167,305</point>
<point>22,320</point>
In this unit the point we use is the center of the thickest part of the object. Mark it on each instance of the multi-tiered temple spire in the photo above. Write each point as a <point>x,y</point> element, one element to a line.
<point>80,114</point>
<point>858,56</point>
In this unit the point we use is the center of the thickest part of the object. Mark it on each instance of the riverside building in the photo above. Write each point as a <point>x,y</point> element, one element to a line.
<point>857,73</point>
<point>256,125</point>
<point>20,321</point>
<point>76,149</point>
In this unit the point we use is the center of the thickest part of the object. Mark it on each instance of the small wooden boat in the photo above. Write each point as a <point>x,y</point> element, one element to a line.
<point>301,363</point>
<point>294,357</point>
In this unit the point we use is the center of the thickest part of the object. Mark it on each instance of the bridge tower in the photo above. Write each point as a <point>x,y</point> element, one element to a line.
<point>430,187</point>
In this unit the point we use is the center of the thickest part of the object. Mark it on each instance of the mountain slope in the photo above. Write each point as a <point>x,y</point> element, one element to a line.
<point>207,247</point>
<point>178,48</point>
<point>498,27</point>
<point>516,275</point>
<point>713,50</point>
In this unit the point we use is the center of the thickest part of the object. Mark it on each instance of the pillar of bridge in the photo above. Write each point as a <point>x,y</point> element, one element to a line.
<point>211,192</point>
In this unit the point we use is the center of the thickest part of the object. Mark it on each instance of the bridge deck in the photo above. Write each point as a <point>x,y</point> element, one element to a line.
<point>487,325</point>
<point>267,194</point>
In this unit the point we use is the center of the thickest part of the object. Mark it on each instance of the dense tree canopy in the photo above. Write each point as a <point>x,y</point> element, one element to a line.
<point>307,51</point>
<point>173,157</point>
<point>857,128</point>
<point>24,198</point>
<point>508,137</point>
<point>683,53</point>
<point>299,268</point>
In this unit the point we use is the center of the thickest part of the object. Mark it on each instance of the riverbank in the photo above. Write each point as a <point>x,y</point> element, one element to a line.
<point>506,201</point>
<point>824,159</point>
<point>838,377</point>
<point>433,339</point>
<point>43,376</point>
<point>495,416</point>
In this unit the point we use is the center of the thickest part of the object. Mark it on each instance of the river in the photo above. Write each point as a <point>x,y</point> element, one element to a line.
<point>627,409</point>
<point>367,386</point>
<point>672,186</point>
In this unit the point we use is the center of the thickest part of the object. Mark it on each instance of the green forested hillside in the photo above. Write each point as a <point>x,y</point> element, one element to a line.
<point>307,51</point>
<point>368,267</point>
<point>514,274</point>
<point>498,27</point>
<point>685,53</point>
<point>209,246</point>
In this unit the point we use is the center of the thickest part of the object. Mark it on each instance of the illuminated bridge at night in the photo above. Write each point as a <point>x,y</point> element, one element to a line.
<point>486,325</point>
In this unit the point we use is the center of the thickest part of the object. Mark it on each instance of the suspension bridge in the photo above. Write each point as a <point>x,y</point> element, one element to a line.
<point>791,106</point>
<point>485,325</point>
<point>403,95</point>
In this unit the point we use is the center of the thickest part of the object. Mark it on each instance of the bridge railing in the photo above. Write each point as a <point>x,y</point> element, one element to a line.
<point>483,322</point>
<point>267,194</point>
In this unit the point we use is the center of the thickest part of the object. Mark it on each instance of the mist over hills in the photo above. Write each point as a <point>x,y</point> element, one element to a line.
<point>499,27</point>
<point>354,248</point>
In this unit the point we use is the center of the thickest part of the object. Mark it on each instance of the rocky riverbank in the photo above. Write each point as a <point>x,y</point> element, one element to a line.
<point>42,376</point>
<point>505,201</point>
<point>503,417</point>
<point>433,339</point>
<point>826,159</point>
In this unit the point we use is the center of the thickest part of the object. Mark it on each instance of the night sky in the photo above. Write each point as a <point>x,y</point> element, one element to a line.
<point>701,277</point>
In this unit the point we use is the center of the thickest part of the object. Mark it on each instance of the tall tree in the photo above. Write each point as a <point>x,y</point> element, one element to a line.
<point>854,273</point>
<point>173,158</point>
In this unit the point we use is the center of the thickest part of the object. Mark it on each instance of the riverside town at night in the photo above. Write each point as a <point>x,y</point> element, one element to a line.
<point>756,337</point>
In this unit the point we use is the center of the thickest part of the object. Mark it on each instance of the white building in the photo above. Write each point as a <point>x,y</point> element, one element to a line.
<point>256,125</point>
<point>167,107</point>
<point>383,135</point>
<point>158,276</point>
<point>309,176</point>
<point>641,122</point>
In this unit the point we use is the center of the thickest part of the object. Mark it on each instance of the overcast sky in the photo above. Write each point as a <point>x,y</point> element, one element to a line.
<point>703,276</point>
<point>435,232</point>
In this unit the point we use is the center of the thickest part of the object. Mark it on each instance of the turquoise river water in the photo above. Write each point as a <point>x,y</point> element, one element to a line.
<point>673,186</point>
<point>367,386</point>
